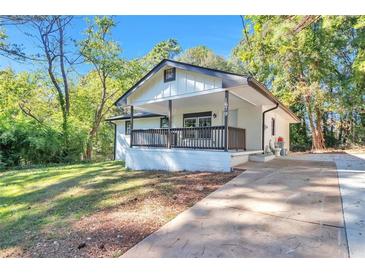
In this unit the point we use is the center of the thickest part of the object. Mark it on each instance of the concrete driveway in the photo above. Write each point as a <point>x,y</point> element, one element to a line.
<point>351,174</point>
<point>283,208</point>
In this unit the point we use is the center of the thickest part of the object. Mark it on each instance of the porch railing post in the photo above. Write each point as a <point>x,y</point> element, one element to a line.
<point>131,140</point>
<point>226,110</point>
<point>169,125</point>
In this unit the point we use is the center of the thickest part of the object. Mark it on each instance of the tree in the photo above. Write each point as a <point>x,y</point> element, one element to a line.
<point>167,49</point>
<point>205,57</point>
<point>7,49</point>
<point>304,60</point>
<point>103,54</point>
<point>137,68</point>
<point>50,34</point>
<point>29,133</point>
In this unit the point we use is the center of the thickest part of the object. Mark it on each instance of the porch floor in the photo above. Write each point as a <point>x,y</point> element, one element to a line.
<point>232,151</point>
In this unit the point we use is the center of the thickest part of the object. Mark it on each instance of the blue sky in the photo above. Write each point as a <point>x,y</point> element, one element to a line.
<point>138,34</point>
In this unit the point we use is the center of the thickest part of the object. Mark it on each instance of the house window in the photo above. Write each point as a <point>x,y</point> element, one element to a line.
<point>193,120</point>
<point>169,74</point>
<point>164,122</point>
<point>127,127</point>
<point>273,133</point>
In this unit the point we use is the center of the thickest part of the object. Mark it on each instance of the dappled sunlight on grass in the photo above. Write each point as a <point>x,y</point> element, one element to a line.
<point>30,198</point>
<point>43,205</point>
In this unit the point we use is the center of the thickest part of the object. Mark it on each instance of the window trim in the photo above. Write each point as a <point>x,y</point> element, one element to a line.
<point>197,116</point>
<point>127,122</point>
<point>273,126</point>
<point>167,118</point>
<point>165,74</point>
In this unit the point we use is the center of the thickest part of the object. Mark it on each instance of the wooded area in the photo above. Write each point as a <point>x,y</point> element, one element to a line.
<point>313,64</point>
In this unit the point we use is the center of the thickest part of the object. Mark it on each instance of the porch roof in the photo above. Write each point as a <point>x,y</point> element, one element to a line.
<point>242,85</point>
<point>135,116</point>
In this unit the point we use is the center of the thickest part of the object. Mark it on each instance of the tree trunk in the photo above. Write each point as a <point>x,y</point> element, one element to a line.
<point>89,150</point>
<point>89,145</point>
<point>316,127</point>
<point>320,144</point>
<point>97,118</point>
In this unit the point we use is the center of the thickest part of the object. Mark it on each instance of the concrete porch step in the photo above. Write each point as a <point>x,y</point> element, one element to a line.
<point>261,158</point>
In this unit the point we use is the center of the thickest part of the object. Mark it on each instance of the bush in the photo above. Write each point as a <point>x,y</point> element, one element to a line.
<point>299,140</point>
<point>28,143</point>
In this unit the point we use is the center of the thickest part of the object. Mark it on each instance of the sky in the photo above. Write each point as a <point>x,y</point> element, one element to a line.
<point>138,34</point>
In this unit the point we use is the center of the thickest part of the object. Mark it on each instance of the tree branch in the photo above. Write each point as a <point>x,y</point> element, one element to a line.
<point>27,111</point>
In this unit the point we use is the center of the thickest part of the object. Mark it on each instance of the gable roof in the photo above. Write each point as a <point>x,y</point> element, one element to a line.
<point>229,79</point>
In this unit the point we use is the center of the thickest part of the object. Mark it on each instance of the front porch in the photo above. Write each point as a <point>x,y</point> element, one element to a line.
<point>210,138</point>
<point>212,121</point>
<point>201,132</point>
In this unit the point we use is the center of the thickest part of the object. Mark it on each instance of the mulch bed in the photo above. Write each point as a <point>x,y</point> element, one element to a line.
<point>111,232</point>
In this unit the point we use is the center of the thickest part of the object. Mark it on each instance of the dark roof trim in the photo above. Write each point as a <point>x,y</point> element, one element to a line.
<point>127,117</point>
<point>229,78</point>
<point>264,91</point>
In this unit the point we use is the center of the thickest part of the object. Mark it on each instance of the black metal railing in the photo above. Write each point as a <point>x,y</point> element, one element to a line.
<point>192,138</point>
<point>198,137</point>
<point>150,137</point>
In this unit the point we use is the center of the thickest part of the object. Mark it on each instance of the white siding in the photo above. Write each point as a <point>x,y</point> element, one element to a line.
<point>177,160</point>
<point>123,141</point>
<point>282,128</point>
<point>249,118</point>
<point>186,82</point>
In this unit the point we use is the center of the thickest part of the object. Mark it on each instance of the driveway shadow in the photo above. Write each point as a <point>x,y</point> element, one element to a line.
<point>278,209</point>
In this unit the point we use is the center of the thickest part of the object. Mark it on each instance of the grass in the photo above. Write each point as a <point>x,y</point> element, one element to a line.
<point>48,211</point>
<point>32,199</point>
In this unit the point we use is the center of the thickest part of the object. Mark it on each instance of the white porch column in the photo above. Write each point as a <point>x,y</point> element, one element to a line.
<point>169,125</point>
<point>131,139</point>
<point>226,111</point>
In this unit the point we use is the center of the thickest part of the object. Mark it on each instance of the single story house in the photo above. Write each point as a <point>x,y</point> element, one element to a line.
<point>187,117</point>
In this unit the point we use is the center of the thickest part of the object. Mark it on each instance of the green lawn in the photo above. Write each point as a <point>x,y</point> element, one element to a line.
<point>48,211</point>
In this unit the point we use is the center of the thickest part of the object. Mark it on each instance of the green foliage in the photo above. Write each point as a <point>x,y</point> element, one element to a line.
<point>315,65</point>
<point>32,128</point>
<point>164,50</point>
<point>102,53</point>
<point>205,57</point>
<point>27,143</point>
<point>313,61</point>
<point>31,125</point>
<point>132,71</point>
<point>98,48</point>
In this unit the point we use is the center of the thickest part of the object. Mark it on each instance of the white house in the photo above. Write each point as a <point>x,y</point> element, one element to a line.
<point>186,117</point>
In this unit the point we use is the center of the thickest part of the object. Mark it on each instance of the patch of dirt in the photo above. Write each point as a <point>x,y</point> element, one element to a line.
<point>111,232</point>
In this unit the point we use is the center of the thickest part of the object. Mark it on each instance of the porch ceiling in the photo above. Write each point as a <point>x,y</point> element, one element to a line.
<point>214,99</point>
